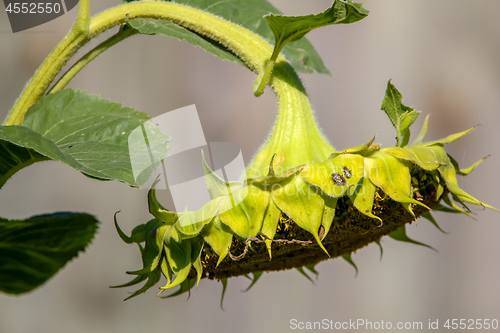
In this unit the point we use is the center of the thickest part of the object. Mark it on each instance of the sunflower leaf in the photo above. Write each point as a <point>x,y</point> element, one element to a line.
<point>292,28</point>
<point>249,14</point>
<point>401,116</point>
<point>34,249</point>
<point>85,132</point>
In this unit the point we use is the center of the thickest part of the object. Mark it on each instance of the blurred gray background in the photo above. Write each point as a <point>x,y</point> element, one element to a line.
<point>444,56</point>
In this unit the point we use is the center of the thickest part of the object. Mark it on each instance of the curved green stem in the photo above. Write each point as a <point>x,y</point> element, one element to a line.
<point>263,78</point>
<point>124,33</point>
<point>47,72</point>
<point>295,139</point>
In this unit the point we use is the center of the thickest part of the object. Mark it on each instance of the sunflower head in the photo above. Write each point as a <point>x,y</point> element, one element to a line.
<point>297,216</point>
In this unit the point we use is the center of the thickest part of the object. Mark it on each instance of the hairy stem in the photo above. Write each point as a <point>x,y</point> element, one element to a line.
<point>124,33</point>
<point>45,75</point>
<point>295,138</point>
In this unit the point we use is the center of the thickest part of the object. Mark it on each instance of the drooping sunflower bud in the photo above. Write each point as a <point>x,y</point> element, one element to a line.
<point>302,201</point>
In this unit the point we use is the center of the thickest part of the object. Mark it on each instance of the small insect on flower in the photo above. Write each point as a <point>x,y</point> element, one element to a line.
<point>347,172</point>
<point>338,179</point>
<point>418,196</point>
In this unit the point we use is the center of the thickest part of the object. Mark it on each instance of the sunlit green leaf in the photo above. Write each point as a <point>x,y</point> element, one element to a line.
<point>292,28</point>
<point>401,116</point>
<point>250,14</point>
<point>87,133</point>
<point>24,137</point>
<point>149,26</point>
